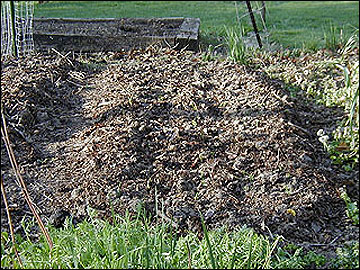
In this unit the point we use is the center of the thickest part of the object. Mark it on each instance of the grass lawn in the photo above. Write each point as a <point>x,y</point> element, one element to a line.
<point>213,15</point>
<point>293,24</point>
<point>298,23</point>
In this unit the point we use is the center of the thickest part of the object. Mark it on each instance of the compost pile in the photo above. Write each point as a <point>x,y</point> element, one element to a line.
<point>164,130</point>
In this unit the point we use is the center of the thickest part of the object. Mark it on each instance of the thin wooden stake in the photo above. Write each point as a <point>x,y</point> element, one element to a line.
<point>189,253</point>
<point>11,227</point>
<point>16,169</point>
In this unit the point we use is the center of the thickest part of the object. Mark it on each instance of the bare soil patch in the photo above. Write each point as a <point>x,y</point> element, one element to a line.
<point>162,127</point>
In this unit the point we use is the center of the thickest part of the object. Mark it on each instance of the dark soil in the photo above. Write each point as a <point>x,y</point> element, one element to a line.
<point>161,127</point>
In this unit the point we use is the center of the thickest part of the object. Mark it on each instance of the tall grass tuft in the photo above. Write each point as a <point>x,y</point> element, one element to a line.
<point>331,40</point>
<point>237,50</point>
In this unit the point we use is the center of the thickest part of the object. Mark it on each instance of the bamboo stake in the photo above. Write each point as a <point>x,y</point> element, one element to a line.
<point>11,227</point>
<point>21,182</point>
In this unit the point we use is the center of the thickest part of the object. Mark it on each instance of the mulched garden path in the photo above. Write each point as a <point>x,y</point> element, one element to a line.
<point>163,129</point>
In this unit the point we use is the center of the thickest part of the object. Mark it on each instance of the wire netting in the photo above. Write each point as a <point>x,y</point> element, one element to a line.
<point>6,29</point>
<point>17,28</point>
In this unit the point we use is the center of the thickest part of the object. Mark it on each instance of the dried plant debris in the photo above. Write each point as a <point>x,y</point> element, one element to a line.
<point>179,136</point>
<point>110,28</point>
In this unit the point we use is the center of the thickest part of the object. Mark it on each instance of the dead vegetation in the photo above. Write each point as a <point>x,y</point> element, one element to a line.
<point>161,127</point>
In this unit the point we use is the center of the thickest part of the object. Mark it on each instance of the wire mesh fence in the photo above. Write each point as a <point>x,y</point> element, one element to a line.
<point>16,28</point>
<point>6,29</point>
<point>24,12</point>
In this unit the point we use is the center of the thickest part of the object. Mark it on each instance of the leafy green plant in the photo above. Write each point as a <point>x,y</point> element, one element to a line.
<point>347,257</point>
<point>352,210</point>
<point>351,43</point>
<point>329,78</point>
<point>348,133</point>
<point>296,258</point>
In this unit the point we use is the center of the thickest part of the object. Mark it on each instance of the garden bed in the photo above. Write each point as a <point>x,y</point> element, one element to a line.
<point>108,34</point>
<point>162,129</point>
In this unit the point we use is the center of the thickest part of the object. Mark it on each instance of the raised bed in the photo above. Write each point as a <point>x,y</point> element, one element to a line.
<point>109,34</point>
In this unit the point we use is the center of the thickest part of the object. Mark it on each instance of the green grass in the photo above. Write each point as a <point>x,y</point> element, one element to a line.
<point>133,243</point>
<point>214,15</point>
<point>291,23</point>
<point>304,23</point>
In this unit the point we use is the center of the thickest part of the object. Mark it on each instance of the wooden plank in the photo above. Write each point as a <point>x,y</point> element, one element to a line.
<point>189,34</point>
